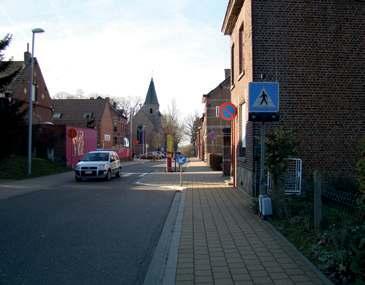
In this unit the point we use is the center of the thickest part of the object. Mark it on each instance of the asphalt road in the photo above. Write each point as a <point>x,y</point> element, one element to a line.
<point>96,232</point>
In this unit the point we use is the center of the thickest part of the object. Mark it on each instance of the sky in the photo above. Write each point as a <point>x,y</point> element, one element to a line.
<point>114,47</point>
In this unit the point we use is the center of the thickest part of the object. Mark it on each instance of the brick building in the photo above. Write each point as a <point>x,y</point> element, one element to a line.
<point>99,114</point>
<point>200,134</point>
<point>19,86</point>
<point>213,125</point>
<point>315,50</point>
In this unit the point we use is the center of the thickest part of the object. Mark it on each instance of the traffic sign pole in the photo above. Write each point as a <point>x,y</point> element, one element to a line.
<point>181,175</point>
<point>262,160</point>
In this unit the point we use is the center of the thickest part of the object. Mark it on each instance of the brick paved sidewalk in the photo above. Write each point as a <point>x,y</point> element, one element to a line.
<point>222,242</point>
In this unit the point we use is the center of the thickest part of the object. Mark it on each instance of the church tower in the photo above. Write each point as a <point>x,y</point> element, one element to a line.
<point>147,124</point>
<point>151,104</point>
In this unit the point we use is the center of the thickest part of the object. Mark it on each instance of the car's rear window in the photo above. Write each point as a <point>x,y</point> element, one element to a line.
<point>95,156</point>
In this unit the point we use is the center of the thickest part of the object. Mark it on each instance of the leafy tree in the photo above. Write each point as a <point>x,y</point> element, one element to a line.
<point>11,126</point>
<point>280,145</point>
<point>7,74</point>
<point>11,111</point>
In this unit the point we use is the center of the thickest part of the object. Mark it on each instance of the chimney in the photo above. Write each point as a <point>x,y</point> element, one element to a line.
<point>227,73</point>
<point>27,55</point>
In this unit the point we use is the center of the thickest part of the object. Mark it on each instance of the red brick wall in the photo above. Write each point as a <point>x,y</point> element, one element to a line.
<point>42,108</point>
<point>215,125</point>
<point>105,127</point>
<point>315,49</point>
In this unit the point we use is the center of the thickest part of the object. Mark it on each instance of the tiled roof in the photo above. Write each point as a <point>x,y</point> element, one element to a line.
<point>75,110</point>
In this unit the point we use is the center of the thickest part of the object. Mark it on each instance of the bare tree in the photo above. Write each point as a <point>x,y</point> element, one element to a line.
<point>171,123</point>
<point>130,104</point>
<point>191,123</point>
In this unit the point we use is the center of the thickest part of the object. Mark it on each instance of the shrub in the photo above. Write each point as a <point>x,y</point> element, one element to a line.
<point>215,161</point>
<point>340,253</point>
<point>361,166</point>
<point>280,145</point>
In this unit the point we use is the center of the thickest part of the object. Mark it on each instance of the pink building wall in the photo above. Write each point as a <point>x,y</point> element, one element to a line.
<point>76,147</point>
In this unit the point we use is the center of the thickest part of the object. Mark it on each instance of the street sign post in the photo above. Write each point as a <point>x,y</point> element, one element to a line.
<point>227,111</point>
<point>263,101</point>
<point>263,106</point>
<point>181,160</point>
<point>170,150</point>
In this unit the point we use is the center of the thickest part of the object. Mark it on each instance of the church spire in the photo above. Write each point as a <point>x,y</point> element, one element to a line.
<point>151,97</point>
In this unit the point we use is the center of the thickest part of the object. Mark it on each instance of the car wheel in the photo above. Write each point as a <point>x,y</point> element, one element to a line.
<point>108,175</point>
<point>118,174</point>
<point>78,179</point>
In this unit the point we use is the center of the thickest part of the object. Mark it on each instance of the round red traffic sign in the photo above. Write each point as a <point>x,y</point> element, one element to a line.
<point>72,133</point>
<point>227,111</point>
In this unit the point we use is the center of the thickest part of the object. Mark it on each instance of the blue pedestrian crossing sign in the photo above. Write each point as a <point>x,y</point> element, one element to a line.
<point>181,159</point>
<point>263,101</point>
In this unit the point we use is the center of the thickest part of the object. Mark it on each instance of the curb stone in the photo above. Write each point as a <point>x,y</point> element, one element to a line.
<point>162,267</point>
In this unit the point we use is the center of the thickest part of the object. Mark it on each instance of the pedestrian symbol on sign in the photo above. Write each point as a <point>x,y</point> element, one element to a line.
<point>263,100</point>
<point>263,97</point>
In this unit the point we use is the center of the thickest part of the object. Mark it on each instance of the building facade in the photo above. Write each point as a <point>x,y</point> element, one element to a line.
<point>18,89</point>
<point>99,114</point>
<point>147,125</point>
<point>213,124</point>
<point>315,50</point>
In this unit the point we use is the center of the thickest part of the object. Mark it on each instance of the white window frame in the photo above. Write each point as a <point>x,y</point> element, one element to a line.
<point>217,111</point>
<point>244,120</point>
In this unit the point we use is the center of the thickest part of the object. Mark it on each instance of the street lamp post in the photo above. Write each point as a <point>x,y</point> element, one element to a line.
<point>131,133</point>
<point>143,137</point>
<point>30,107</point>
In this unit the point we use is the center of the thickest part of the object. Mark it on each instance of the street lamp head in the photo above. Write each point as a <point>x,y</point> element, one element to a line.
<point>37,30</point>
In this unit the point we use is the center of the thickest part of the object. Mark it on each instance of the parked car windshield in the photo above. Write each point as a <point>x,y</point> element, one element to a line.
<point>96,156</point>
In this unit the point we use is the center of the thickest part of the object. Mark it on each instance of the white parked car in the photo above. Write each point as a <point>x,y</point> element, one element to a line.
<point>98,164</point>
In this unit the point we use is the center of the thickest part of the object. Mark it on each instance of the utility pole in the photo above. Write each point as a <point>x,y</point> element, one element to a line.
<point>131,133</point>
<point>30,101</point>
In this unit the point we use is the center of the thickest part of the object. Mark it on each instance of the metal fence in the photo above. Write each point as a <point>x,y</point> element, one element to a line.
<point>292,179</point>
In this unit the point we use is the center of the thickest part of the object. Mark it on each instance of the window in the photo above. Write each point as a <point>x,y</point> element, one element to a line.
<point>34,93</point>
<point>57,115</point>
<point>217,111</point>
<point>115,140</point>
<point>140,134</point>
<point>151,110</point>
<point>241,49</point>
<point>115,127</point>
<point>232,65</point>
<point>243,123</point>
